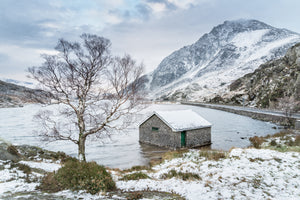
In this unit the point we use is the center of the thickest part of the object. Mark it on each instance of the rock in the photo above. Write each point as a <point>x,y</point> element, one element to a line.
<point>6,155</point>
<point>268,83</point>
<point>27,152</point>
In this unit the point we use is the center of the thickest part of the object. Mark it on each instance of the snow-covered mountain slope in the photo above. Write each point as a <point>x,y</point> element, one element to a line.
<point>229,51</point>
<point>269,83</point>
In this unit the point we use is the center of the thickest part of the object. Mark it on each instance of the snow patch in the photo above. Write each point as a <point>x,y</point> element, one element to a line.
<point>249,38</point>
<point>49,167</point>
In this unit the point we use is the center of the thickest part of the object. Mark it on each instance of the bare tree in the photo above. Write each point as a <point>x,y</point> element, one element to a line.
<point>289,106</point>
<point>96,89</point>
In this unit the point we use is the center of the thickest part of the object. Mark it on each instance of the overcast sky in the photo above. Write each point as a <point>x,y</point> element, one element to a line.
<point>148,30</point>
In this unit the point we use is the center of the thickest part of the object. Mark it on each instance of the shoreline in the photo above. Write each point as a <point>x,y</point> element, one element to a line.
<point>254,114</point>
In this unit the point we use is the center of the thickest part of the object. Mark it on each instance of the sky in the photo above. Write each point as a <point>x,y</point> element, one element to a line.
<point>148,30</point>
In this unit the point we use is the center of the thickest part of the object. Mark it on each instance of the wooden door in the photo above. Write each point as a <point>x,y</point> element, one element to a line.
<point>183,138</point>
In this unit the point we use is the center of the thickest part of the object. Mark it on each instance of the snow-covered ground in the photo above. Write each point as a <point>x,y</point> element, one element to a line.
<point>243,174</point>
<point>13,180</point>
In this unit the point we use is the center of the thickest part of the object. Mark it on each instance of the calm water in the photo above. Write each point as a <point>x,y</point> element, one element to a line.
<point>123,150</point>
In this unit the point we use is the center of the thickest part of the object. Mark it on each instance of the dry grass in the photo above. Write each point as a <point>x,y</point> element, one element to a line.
<point>168,156</point>
<point>289,141</point>
<point>280,134</point>
<point>184,176</point>
<point>174,154</point>
<point>137,168</point>
<point>212,155</point>
<point>256,141</point>
<point>135,176</point>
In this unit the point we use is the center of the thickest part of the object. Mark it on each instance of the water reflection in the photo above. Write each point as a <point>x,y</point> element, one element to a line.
<point>151,152</point>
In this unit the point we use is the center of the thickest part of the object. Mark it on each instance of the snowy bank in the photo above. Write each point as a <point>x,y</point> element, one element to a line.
<point>240,174</point>
<point>244,174</point>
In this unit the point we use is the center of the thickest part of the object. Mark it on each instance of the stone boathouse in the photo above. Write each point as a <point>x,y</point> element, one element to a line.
<point>175,129</point>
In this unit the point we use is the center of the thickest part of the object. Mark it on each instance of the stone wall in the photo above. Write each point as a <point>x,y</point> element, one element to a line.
<point>198,137</point>
<point>255,115</point>
<point>165,137</point>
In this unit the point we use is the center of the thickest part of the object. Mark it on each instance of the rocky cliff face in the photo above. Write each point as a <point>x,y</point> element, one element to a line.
<point>271,81</point>
<point>14,95</point>
<point>229,51</point>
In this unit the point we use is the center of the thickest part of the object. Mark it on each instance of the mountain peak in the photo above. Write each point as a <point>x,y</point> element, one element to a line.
<point>247,23</point>
<point>238,26</point>
<point>229,51</point>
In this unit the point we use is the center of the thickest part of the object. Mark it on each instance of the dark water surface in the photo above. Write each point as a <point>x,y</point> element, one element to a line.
<point>123,150</point>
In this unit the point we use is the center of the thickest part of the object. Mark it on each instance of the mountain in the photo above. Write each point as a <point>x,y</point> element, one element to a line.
<point>206,68</point>
<point>17,82</point>
<point>14,95</point>
<point>269,82</point>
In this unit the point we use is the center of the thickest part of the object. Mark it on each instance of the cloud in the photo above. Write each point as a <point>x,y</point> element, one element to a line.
<point>186,4</point>
<point>169,5</point>
<point>149,30</point>
<point>157,7</point>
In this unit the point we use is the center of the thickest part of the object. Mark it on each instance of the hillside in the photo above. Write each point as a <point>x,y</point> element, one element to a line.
<point>271,81</point>
<point>14,95</point>
<point>229,51</point>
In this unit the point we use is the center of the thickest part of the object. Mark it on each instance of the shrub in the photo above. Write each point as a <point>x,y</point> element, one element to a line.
<point>256,141</point>
<point>135,176</point>
<point>273,143</point>
<point>49,183</point>
<point>212,155</point>
<point>75,175</point>
<point>184,176</point>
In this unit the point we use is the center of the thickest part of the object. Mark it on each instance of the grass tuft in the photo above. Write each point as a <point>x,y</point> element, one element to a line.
<point>212,155</point>
<point>25,168</point>
<point>174,154</point>
<point>137,168</point>
<point>135,176</point>
<point>184,176</point>
<point>256,141</point>
<point>282,141</point>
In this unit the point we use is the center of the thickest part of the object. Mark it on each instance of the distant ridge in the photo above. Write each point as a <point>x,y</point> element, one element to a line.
<point>12,95</point>
<point>17,82</point>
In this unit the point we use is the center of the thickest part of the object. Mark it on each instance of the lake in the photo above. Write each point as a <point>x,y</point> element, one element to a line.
<point>123,150</point>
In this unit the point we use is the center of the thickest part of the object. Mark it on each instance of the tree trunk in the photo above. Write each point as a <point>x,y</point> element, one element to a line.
<point>81,149</point>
